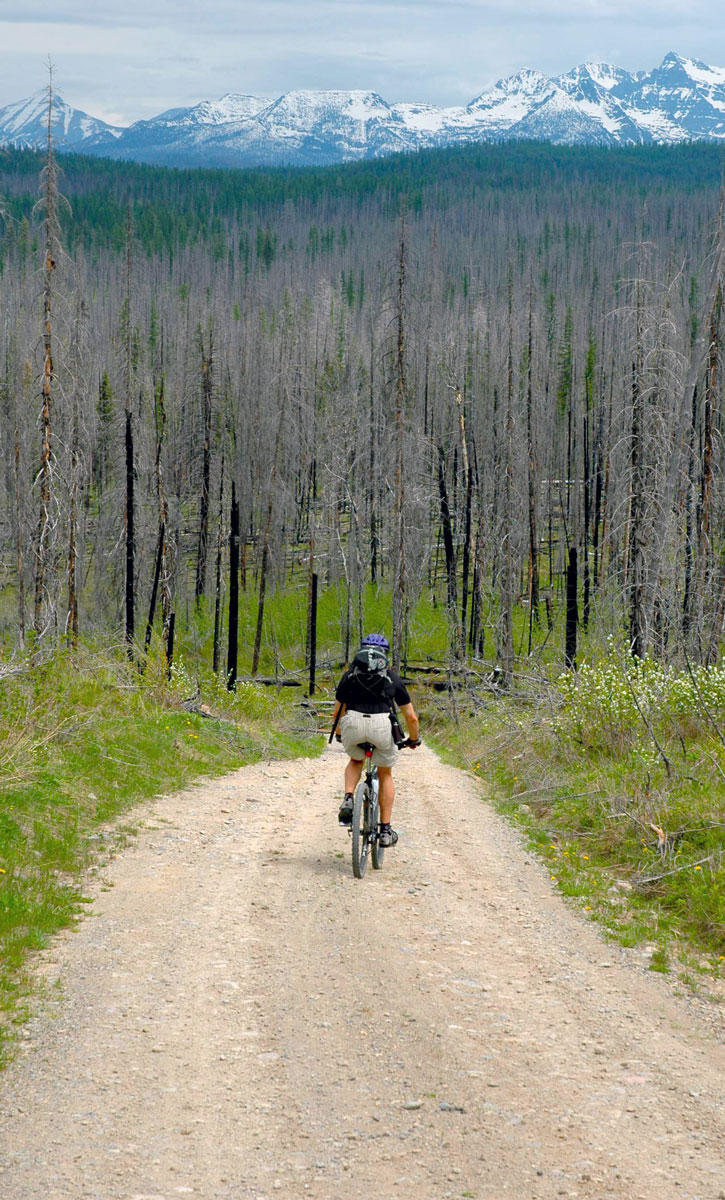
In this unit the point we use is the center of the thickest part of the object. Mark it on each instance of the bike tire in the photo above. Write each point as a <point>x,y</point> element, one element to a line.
<point>360,843</point>
<point>378,851</point>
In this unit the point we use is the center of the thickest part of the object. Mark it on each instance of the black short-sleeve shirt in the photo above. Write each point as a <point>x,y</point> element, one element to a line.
<point>371,696</point>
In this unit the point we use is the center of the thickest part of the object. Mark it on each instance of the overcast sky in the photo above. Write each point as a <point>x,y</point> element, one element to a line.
<point>127,59</point>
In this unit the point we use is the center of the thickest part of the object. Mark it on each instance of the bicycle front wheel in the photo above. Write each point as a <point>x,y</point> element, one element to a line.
<point>360,843</point>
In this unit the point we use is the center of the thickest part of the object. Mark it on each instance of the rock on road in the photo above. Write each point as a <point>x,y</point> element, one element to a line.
<point>239,1018</point>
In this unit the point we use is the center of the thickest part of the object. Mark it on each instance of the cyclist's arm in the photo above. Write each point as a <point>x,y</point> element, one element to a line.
<point>338,710</point>
<point>411,720</point>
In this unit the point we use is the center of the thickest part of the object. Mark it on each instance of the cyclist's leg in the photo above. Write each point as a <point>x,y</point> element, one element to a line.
<point>353,771</point>
<point>386,795</point>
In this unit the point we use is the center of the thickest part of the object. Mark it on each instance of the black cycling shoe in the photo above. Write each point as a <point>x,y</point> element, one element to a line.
<point>387,837</point>
<point>345,814</point>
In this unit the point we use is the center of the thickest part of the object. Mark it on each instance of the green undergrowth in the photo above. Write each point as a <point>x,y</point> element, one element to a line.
<point>83,737</point>
<point>617,776</point>
<point>284,641</point>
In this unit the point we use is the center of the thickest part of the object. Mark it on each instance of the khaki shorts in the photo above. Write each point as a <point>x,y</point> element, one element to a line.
<point>357,727</point>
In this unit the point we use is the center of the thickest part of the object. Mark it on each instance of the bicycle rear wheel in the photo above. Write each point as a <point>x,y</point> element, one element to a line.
<point>378,850</point>
<point>360,843</point>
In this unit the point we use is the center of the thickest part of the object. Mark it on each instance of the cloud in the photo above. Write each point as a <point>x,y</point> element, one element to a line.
<point>139,57</point>
<point>221,16</point>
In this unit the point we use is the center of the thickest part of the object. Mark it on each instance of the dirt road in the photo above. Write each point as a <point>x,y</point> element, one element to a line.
<point>241,1019</point>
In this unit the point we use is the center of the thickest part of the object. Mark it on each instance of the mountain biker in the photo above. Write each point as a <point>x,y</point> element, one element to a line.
<point>364,703</point>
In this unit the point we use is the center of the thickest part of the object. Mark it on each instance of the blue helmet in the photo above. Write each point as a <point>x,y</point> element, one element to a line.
<point>376,639</point>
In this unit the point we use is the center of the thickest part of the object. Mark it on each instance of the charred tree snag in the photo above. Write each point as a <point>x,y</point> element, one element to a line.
<point>313,633</point>
<point>130,535</point>
<point>264,565</point>
<point>154,589</point>
<point>216,651</point>
<point>129,506</point>
<point>704,544</point>
<point>532,482</point>
<point>447,530</point>
<point>206,352</point>
<point>233,638</point>
<point>400,581</point>
<point>572,611</point>
<point>43,547</point>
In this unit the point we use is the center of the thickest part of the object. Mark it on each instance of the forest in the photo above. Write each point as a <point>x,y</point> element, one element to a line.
<point>474,396</point>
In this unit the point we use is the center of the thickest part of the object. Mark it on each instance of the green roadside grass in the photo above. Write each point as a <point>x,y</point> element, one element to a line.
<point>617,780</point>
<point>83,738</point>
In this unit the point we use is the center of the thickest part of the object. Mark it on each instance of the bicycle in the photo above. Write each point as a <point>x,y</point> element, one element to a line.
<point>365,818</point>
<point>366,815</point>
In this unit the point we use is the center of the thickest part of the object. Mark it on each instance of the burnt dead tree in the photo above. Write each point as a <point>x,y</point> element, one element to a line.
<point>233,633</point>
<point>266,540</point>
<point>532,480</point>
<point>400,596</point>
<point>572,609</point>
<point>206,355</point>
<point>74,469</point>
<point>218,588</point>
<point>45,478</point>
<point>129,509</point>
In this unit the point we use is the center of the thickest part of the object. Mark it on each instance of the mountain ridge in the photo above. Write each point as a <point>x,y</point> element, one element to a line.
<point>595,103</point>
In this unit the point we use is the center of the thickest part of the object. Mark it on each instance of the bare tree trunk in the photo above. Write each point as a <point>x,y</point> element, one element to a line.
<point>447,530</point>
<point>19,506</point>
<point>400,596</point>
<point>207,367</point>
<point>372,482</point>
<point>233,639</point>
<point>704,545</point>
<point>216,652</point>
<point>129,508</point>
<point>312,661</point>
<point>154,589</point>
<point>587,516</point>
<point>506,620</point>
<point>598,493</point>
<point>130,537</point>
<point>468,530</point>
<point>532,484</point>
<point>637,582</point>
<point>74,479</point>
<point>264,566</point>
<point>72,622</point>
<point>45,474</point>
<point>160,426</point>
<point>572,611</point>
<point>691,522</point>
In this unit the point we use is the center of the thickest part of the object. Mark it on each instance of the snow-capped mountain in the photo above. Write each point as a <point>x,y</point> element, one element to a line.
<point>596,103</point>
<point>681,100</point>
<point>25,124</point>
